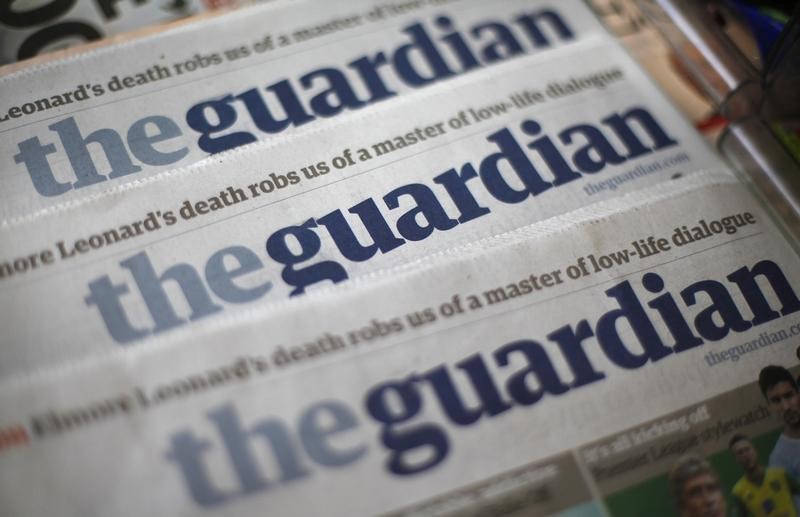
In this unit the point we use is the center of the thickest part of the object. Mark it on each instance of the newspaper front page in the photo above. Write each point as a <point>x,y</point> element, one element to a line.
<point>569,366</point>
<point>120,114</point>
<point>487,154</point>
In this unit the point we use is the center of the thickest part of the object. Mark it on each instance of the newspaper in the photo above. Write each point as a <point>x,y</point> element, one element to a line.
<point>483,155</point>
<point>474,383</point>
<point>29,28</point>
<point>447,259</point>
<point>120,114</point>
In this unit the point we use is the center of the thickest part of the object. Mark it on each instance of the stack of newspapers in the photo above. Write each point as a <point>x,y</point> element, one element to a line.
<point>406,257</point>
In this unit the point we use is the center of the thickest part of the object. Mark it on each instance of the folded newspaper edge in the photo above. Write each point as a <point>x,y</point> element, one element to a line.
<point>146,106</point>
<point>612,70</point>
<point>355,287</point>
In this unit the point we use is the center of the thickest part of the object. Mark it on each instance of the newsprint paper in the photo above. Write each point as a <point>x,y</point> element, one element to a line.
<point>576,366</point>
<point>435,257</point>
<point>479,156</point>
<point>120,114</point>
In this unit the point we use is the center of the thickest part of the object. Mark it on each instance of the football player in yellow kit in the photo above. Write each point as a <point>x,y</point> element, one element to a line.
<point>761,492</point>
